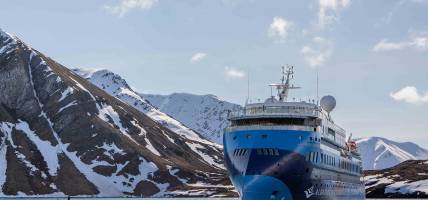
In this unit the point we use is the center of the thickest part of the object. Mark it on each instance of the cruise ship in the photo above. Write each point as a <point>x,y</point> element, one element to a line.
<point>282,149</point>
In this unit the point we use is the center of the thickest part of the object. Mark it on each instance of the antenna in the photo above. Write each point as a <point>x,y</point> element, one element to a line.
<point>248,88</point>
<point>318,96</point>
<point>285,85</point>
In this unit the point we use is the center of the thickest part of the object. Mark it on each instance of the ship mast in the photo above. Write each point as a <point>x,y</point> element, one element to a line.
<point>284,87</point>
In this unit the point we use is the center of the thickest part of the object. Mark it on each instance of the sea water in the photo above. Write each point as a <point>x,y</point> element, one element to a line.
<point>184,198</point>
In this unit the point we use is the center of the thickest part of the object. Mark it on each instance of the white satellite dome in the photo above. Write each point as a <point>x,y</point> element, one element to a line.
<point>271,100</point>
<point>328,103</point>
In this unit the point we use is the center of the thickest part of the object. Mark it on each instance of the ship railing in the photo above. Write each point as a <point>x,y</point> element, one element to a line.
<point>337,128</point>
<point>274,111</point>
<point>331,124</point>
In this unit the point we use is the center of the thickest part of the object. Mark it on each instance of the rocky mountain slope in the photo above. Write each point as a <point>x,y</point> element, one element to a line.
<point>117,86</point>
<point>61,135</point>
<point>206,114</point>
<point>380,153</point>
<point>406,180</point>
<point>377,153</point>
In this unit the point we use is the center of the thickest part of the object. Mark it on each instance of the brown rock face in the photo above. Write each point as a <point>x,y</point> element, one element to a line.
<point>71,181</point>
<point>146,189</point>
<point>60,135</point>
<point>411,173</point>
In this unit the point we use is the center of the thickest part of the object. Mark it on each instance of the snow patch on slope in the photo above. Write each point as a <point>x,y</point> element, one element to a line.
<point>103,184</point>
<point>116,86</point>
<point>67,106</point>
<point>150,147</point>
<point>5,129</point>
<point>375,180</point>
<point>206,114</point>
<point>198,149</point>
<point>145,169</point>
<point>49,152</point>
<point>66,93</point>
<point>404,187</point>
<point>9,42</point>
<point>107,113</point>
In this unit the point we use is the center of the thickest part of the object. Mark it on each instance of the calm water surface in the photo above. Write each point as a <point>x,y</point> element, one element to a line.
<point>139,198</point>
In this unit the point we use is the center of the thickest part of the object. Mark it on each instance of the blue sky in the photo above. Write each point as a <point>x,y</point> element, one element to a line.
<point>371,55</point>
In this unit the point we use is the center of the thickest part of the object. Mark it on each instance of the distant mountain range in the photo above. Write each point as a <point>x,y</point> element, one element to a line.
<point>87,132</point>
<point>207,115</point>
<point>62,135</point>
<point>380,153</point>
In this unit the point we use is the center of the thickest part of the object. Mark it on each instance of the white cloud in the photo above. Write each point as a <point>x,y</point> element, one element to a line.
<point>411,95</point>
<point>127,5</point>
<point>385,45</point>
<point>197,57</point>
<point>233,73</point>
<point>329,9</point>
<point>418,41</point>
<point>318,53</point>
<point>279,29</point>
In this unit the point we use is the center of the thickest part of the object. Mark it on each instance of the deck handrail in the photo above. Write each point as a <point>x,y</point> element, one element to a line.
<point>275,111</point>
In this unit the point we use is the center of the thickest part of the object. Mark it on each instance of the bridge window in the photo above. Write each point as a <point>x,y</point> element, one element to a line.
<point>271,152</point>
<point>269,121</point>
<point>240,152</point>
<point>276,152</point>
<point>265,152</point>
<point>316,160</point>
<point>268,152</point>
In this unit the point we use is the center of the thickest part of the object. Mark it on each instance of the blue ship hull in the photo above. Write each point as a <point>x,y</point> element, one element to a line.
<point>272,164</point>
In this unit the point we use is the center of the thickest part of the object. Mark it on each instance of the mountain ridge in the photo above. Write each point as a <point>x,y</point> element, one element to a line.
<point>377,152</point>
<point>206,114</point>
<point>61,135</point>
<point>380,153</point>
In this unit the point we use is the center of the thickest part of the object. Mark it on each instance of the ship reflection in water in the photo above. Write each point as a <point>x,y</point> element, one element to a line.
<point>76,198</point>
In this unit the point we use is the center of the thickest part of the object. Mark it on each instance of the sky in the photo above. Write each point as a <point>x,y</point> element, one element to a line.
<point>371,55</point>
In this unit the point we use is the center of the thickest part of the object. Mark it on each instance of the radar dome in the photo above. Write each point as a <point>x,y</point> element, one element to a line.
<point>271,100</point>
<point>328,103</point>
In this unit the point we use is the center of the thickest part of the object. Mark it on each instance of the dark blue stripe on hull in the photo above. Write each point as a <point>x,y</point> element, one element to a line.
<point>283,175</point>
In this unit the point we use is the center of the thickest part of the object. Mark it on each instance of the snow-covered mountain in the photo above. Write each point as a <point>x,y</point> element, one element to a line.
<point>206,114</point>
<point>380,153</point>
<point>409,179</point>
<point>61,135</point>
<point>117,86</point>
